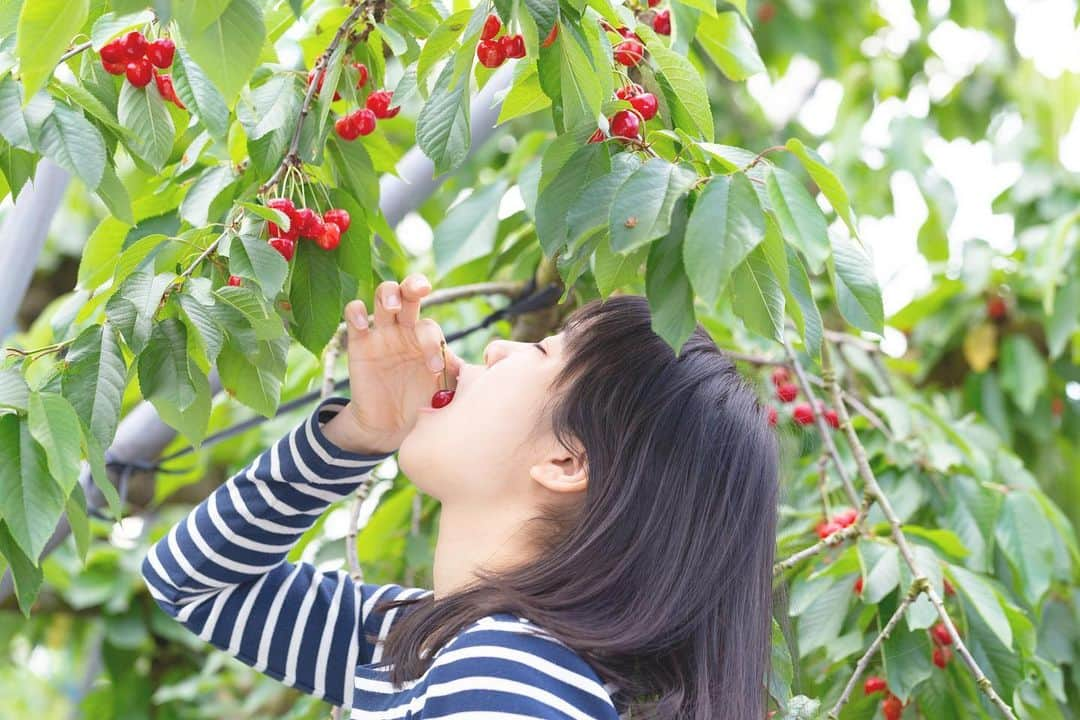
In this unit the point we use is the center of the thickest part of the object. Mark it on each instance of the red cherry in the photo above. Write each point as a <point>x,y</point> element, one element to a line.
<point>140,72</point>
<point>168,92</point>
<point>661,23</point>
<point>941,635</point>
<point>597,136</point>
<point>803,414</point>
<point>786,392</point>
<point>940,656</point>
<point>161,51</point>
<point>134,44</point>
<point>874,684</point>
<point>1057,407</point>
<point>625,124</point>
<point>551,36</point>
<point>442,398</point>
<point>646,104</point>
<point>114,52</point>
<point>114,68</point>
<point>364,120</point>
<point>315,227</point>
<point>513,46</point>
<point>780,375</point>
<point>330,237</point>
<point>858,585</point>
<point>627,33</point>
<point>285,246</point>
<point>491,27</point>
<point>490,53</point>
<point>235,280</point>
<point>361,68</point>
<point>766,12</point>
<point>892,708</point>
<point>825,528</point>
<point>654,3</point>
<point>996,308</point>
<point>322,77</point>
<point>628,91</point>
<point>286,206</point>
<point>305,217</point>
<point>346,128</point>
<point>773,416</point>
<point>629,52</point>
<point>378,102</point>
<point>339,217</point>
<point>846,517</point>
<point>949,589</point>
<point>832,418</point>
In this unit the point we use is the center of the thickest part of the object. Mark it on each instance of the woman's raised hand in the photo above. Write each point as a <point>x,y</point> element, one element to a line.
<point>395,365</point>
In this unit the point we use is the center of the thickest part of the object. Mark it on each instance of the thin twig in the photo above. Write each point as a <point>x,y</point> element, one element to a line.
<point>292,156</point>
<point>874,492</point>
<point>831,541</point>
<point>822,426</point>
<point>758,158</point>
<point>74,51</point>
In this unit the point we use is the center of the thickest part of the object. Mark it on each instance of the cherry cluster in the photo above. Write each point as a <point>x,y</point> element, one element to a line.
<point>627,123</point>
<point>324,229</point>
<point>630,50</point>
<point>891,706</point>
<point>132,55</point>
<point>803,414</point>
<point>492,51</point>
<point>362,121</point>
<point>839,521</point>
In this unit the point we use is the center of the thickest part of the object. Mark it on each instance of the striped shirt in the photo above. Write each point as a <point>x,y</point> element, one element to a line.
<point>222,572</point>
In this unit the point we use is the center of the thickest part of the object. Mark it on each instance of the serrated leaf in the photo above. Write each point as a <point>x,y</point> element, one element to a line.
<point>253,258</point>
<point>31,502</point>
<point>12,122</point>
<point>55,426</point>
<point>439,43</point>
<point>671,300</point>
<point>258,315</point>
<point>801,305</point>
<point>143,111</point>
<point>982,595</point>
<point>195,207</point>
<point>68,139</point>
<point>857,293</point>
<point>164,368</point>
<point>95,379</point>
<point>725,227</point>
<point>590,210</point>
<point>26,576</point>
<point>112,24</point>
<point>564,189</point>
<point>442,128</point>
<point>729,43</point>
<point>799,217</point>
<point>642,206</point>
<point>687,88</point>
<point>228,48</point>
<point>255,379</point>
<point>315,294</point>
<point>46,28</point>
<point>525,96</point>
<point>468,230</point>
<point>757,286</point>
<point>827,181</point>
<point>199,95</point>
<point>14,392</point>
<point>115,196</point>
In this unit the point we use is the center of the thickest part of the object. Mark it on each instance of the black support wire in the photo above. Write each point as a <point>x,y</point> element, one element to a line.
<point>530,300</point>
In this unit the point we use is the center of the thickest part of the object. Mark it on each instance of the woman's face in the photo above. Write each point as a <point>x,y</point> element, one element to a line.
<point>474,448</point>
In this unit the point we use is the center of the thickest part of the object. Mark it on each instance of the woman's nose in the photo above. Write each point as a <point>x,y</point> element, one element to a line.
<point>495,350</point>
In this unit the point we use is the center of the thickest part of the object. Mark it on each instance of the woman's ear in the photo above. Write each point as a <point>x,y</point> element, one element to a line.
<point>561,473</point>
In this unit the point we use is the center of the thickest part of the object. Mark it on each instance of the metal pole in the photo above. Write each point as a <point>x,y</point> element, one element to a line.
<point>142,435</point>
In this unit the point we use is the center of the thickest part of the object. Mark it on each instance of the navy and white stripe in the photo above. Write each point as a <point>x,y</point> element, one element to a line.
<point>223,573</point>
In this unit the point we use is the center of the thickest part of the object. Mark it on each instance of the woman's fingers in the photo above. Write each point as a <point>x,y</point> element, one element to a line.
<point>413,289</point>
<point>356,318</point>
<point>429,336</point>
<point>387,303</point>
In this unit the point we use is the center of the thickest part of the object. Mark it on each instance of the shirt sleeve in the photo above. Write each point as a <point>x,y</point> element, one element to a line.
<point>504,670</point>
<point>222,570</point>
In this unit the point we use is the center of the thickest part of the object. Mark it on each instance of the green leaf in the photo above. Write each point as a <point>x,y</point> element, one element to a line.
<point>12,122</point>
<point>984,598</point>
<point>565,188</point>
<point>590,209</point>
<point>253,258</point>
<point>685,90</point>
<point>613,270</point>
<point>757,286</point>
<point>827,181</point>
<point>671,300</point>
<point>544,13</point>
<point>95,457</point>
<point>725,226</point>
<point>439,43</point>
<point>203,325</point>
<point>199,95</point>
<point>131,309</point>
<point>1065,319</point>
<point>907,660</point>
<point>857,291</point>
<point>355,171</point>
<point>442,128</point>
<point>468,230</point>
<point>27,576</point>
<point>143,111</point>
<point>164,367</point>
<point>31,502</point>
<point>268,213</point>
<point>269,116</point>
<point>255,379</point>
<point>1024,536</point>
<point>197,204</point>
<point>1023,371</point>
<point>193,420</point>
<point>46,28</point>
<point>14,392</point>
<point>115,196</point>
<point>729,43</point>
<point>228,48</point>
<point>54,424</point>
<point>881,562</point>
<point>800,219</point>
<point>198,14</point>
<point>582,89</point>
<point>112,24</point>
<point>801,305</point>
<point>525,96</point>
<point>642,206</point>
<point>68,139</point>
<point>256,312</point>
<point>95,379</point>
<point>315,295</point>
<point>79,522</point>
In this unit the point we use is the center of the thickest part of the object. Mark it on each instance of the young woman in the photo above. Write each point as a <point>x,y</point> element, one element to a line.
<point>605,543</point>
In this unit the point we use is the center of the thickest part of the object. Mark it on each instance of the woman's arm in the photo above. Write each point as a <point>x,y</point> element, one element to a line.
<point>222,571</point>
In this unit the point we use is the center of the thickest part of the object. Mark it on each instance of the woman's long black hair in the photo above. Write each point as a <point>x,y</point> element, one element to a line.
<point>662,578</point>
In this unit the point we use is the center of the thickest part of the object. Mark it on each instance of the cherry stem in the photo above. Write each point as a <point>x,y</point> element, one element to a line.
<point>442,349</point>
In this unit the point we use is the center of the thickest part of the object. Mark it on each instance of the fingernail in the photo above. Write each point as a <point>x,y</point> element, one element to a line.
<point>435,363</point>
<point>393,301</point>
<point>359,320</point>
